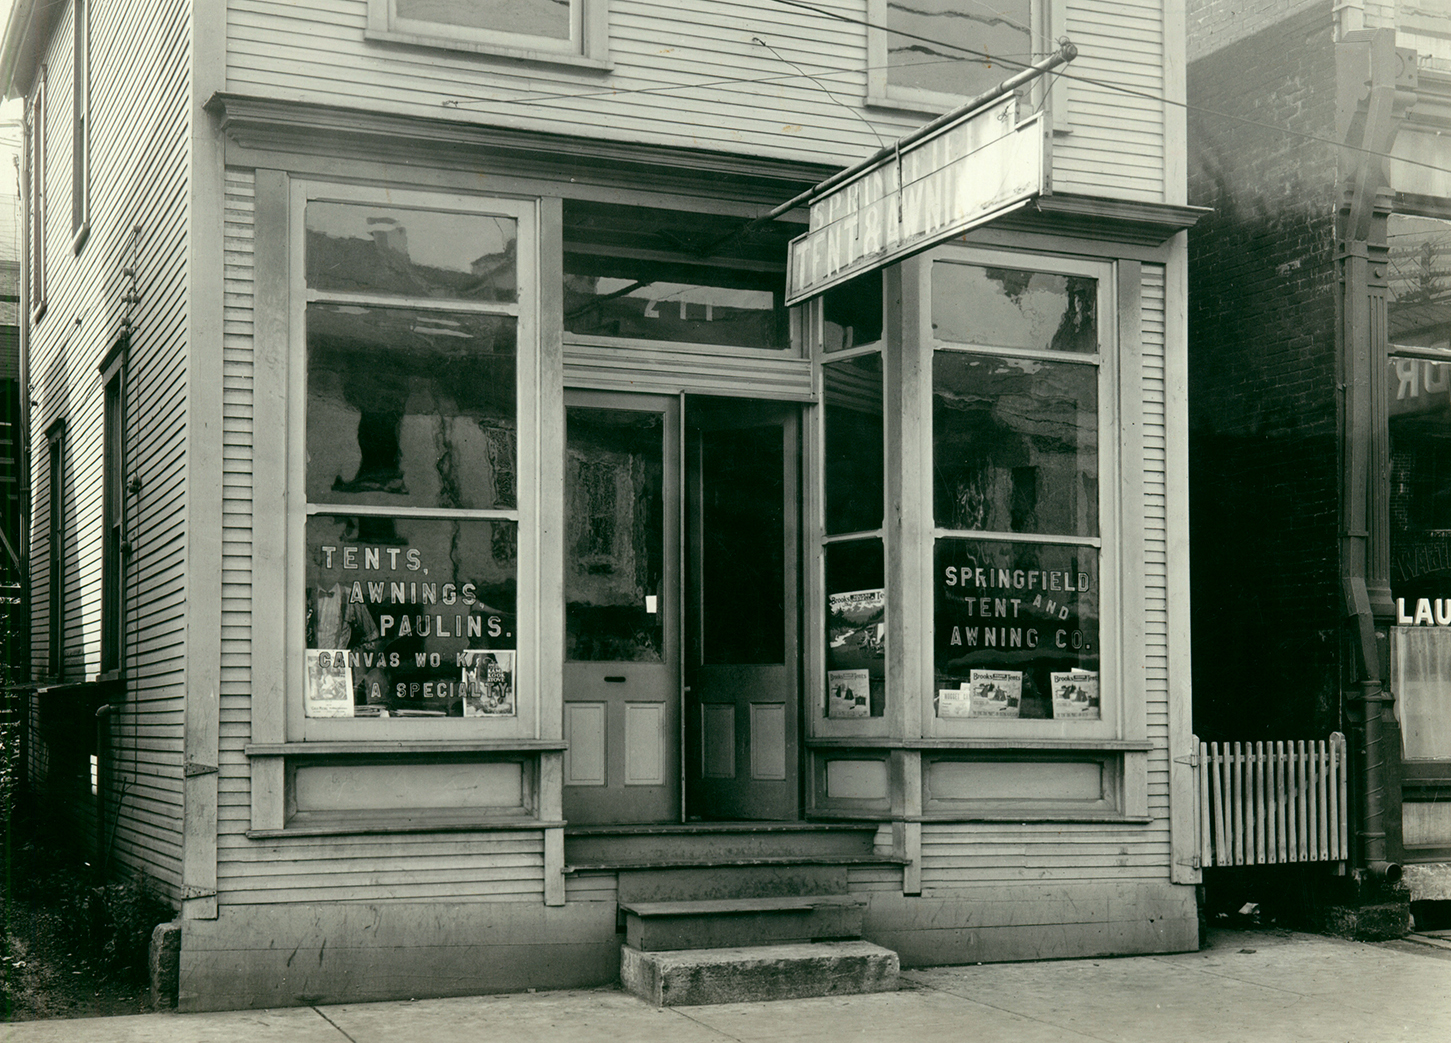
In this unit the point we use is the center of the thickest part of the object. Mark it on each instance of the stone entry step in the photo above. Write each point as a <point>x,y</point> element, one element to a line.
<point>733,922</point>
<point>759,972</point>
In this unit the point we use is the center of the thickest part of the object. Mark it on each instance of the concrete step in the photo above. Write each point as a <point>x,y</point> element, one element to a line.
<point>716,843</point>
<point>700,883</point>
<point>733,922</point>
<point>759,972</point>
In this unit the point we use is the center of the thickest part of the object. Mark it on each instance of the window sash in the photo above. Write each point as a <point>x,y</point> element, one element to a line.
<point>523,723</point>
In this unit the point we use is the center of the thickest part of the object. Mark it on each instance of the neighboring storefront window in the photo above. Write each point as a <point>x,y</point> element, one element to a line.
<point>1015,437</point>
<point>1418,390</point>
<point>412,462</point>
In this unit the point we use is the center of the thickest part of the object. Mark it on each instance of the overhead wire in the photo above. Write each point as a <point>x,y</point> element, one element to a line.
<point>676,88</point>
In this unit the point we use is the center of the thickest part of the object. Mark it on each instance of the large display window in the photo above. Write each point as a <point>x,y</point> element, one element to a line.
<point>413,312</point>
<point>1020,380</point>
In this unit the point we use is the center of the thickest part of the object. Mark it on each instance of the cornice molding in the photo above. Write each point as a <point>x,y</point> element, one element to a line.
<point>268,124</point>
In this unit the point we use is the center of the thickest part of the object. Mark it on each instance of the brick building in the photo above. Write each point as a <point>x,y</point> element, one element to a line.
<point>1322,270</point>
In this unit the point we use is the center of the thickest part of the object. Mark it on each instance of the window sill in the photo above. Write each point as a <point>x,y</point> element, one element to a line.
<point>994,743</point>
<point>439,43</point>
<point>345,748</point>
<point>416,822</point>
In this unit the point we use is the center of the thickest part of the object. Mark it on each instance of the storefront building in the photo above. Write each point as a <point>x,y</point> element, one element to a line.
<point>541,532</point>
<point>1318,303</point>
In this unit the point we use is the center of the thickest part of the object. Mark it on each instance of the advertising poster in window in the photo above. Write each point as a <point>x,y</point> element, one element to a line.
<point>1027,610</point>
<point>848,693</point>
<point>329,683</point>
<point>856,646</point>
<point>1075,694</point>
<point>420,612</point>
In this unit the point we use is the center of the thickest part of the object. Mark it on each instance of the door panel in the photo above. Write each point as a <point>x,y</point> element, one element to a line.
<point>622,658</point>
<point>742,566</point>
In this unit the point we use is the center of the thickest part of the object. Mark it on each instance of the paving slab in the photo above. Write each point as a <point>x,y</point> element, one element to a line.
<point>1246,987</point>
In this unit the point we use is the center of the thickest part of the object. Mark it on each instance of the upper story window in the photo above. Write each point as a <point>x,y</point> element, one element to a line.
<point>550,30</point>
<point>416,316</point>
<point>934,54</point>
<point>35,156</point>
<point>81,127</point>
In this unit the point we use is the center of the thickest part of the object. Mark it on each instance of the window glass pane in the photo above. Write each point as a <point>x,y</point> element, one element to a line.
<point>852,313</point>
<point>614,573</point>
<point>856,646</point>
<point>525,17</point>
<point>615,297</point>
<point>412,408</point>
<point>742,545</point>
<point>1013,308</point>
<point>410,617</point>
<point>1421,660</point>
<point>957,47</point>
<point>354,248</point>
<point>672,275</point>
<point>1015,444</point>
<point>853,452</point>
<point>1017,630</point>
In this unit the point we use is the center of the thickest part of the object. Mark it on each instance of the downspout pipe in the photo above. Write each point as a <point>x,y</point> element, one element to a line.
<point>1372,118</point>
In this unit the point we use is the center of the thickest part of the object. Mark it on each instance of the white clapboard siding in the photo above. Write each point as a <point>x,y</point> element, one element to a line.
<point>1156,594</point>
<point>500,866</point>
<point>963,854</point>
<point>688,73</point>
<point>139,64</point>
<point>1115,144</point>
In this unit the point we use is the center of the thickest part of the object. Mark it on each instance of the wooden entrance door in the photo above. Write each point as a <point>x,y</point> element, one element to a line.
<point>742,633</point>
<point>681,603</point>
<point>621,594</point>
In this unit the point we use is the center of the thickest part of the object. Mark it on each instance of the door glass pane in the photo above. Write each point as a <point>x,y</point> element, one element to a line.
<point>1017,630</point>
<point>411,617</point>
<point>1015,444</point>
<point>614,535</point>
<point>1014,308</point>
<point>524,17</point>
<point>856,646</point>
<point>414,408</point>
<point>742,540</point>
<point>853,451</point>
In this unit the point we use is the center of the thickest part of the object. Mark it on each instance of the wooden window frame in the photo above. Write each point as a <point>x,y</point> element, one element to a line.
<point>532,658</point>
<point>35,157</point>
<point>588,45</point>
<point>113,370</point>
<point>1112,720</point>
<point>1051,15</point>
<point>81,127</point>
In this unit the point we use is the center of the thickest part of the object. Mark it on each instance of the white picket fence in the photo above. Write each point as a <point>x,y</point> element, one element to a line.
<point>1262,803</point>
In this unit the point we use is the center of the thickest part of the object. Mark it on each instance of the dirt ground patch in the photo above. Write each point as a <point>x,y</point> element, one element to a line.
<point>40,977</point>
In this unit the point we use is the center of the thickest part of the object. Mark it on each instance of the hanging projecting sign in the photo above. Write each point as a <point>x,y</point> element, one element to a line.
<point>966,175</point>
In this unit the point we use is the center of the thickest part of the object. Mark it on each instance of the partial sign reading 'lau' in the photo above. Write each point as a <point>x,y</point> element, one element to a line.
<point>964,176</point>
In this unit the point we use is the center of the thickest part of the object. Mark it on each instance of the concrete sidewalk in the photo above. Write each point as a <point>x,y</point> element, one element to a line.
<point>1247,986</point>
